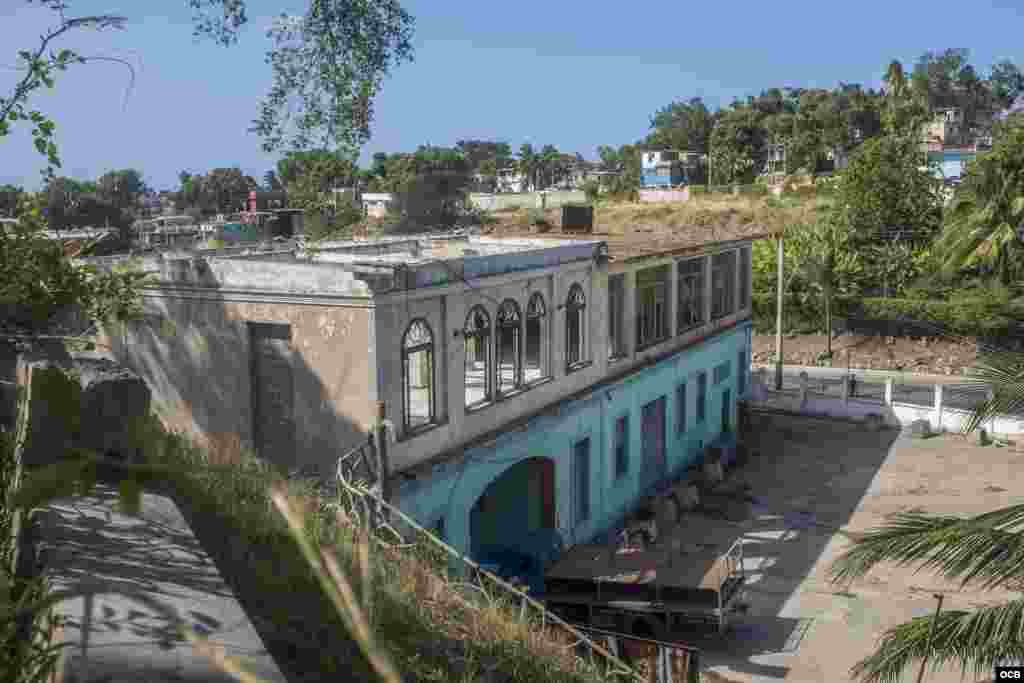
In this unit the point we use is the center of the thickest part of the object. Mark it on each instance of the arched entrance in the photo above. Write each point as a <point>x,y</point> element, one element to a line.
<point>513,509</point>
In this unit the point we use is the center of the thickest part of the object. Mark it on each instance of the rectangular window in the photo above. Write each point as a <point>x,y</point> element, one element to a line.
<point>652,305</point>
<point>744,295</point>
<point>721,373</point>
<point>653,465</point>
<point>681,408</point>
<point>702,395</point>
<point>723,284</point>
<point>741,363</point>
<point>581,462</point>
<point>621,446</point>
<point>690,313</point>
<point>616,299</point>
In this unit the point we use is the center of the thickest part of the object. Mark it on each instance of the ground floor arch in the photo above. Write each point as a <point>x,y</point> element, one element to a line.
<point>514,507</point>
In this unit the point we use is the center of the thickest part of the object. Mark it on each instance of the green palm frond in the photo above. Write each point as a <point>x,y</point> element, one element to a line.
<point>1003,371</point>
<point>987,549</point>
<point>976,640</point>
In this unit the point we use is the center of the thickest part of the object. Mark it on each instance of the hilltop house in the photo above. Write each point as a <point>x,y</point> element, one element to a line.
<point>533,385</point>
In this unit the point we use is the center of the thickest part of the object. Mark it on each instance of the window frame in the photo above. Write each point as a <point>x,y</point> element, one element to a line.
<point>700,279</point>
<point>483,341</point>
<point>517,360</point>
<point>621,464</point>
<point>541,317</point>
<point>723,298</point>
<point>681,409</point>
<point>741,372</point>
<point>743,264</point>
<point>702,397</point>
<point>616,316</point>
<point>407,352</point>
<point>657,286</point>
<point>581,501</point>
<point>575,305</point>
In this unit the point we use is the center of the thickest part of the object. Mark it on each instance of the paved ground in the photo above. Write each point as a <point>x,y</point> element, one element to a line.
<point>116,639</point>
<point>813,477</point>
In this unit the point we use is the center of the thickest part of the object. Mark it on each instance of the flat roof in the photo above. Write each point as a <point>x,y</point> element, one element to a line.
<point>645,241</point>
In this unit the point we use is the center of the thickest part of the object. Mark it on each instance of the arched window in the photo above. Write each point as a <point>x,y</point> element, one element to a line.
<point>477,334</point>
<point>536,348</point>
<point>574,326</point>
<point>509,347</point>
<point>418,374</point>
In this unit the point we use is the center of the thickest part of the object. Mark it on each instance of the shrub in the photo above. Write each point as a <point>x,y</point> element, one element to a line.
<point>592,189</point>
<point>536,217</point>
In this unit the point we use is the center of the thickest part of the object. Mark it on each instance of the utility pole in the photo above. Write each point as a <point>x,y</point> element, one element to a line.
<point>778,315</point>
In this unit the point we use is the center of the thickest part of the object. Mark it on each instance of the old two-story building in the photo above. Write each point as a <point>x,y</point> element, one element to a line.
<point>534,385</point>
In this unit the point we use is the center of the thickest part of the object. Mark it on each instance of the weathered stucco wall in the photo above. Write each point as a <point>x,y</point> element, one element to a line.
<point>195,355</point>
<point>446,313</point>
<point>450,489</point>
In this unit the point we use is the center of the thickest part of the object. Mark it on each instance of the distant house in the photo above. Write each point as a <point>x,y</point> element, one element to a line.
<point>667,167</point>
<point>950,162</point>
<point>946,128</point>
<point>377,204</point>
<point>510,180</point>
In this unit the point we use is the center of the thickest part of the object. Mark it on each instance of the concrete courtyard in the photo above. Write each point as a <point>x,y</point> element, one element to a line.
<point>813,477</point>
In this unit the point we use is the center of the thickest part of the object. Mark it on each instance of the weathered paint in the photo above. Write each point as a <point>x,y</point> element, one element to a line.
<point>195,356</point>
<point>453,488</point>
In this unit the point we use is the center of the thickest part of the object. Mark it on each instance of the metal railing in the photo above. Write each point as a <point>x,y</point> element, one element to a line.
<point>361,460</point>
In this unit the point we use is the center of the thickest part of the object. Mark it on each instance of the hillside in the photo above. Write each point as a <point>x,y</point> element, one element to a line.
<point>728,213</point>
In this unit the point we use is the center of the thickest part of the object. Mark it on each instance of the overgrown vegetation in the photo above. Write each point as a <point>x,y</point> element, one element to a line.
<point>293,552</point>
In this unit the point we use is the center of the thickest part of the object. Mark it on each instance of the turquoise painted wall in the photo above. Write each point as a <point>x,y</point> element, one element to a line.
<point>455,486</point>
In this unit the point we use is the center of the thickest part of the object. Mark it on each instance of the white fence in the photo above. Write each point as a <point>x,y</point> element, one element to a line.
<point>525,200</point>
<point>808,400</point>
<point>660,196</point>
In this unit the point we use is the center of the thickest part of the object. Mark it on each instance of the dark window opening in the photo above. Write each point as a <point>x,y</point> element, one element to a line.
<point>652,305</point>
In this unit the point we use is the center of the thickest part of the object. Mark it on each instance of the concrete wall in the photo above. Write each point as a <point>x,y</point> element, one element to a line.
<point>525,200</point>
<point>647,195</point>
<point>194,354</point>
<point>446,312</point>
<point>894,413</point>
<point>450,489</point>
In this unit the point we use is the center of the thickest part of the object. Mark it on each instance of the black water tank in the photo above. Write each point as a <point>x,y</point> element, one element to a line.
<point>577,218</point>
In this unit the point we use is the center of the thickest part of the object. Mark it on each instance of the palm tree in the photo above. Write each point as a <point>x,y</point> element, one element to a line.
<point>985,550</point>
<point>981,224</point>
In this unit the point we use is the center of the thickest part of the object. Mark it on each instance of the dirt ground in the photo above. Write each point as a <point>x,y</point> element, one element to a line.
<point>812,478</point>
<point>929,356</point>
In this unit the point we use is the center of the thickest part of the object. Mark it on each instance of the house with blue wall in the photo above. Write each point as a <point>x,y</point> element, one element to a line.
<point>535,388</point>
<point>656,386</point>
<point>667,167</point>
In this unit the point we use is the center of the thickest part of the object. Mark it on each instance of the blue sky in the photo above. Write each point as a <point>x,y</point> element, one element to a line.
<point>573,74</point>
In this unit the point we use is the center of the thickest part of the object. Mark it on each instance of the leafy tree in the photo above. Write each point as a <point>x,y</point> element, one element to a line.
<point>477,152</point>
<point>121,188</point>
<point>39,282</point>
<point>223,190</point>
<point>981,551</point>
<point>824,255</point>
<point>1006,83</point>
<point>328,66</point>
<point>904,111</point>
<point>980,226</point>
<point>887,187</point>
<point>738,145</point>
<point>683,125</point>
<point>528,165</point>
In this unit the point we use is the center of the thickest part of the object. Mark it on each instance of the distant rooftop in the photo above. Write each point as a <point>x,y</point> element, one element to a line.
<point>645,241</point>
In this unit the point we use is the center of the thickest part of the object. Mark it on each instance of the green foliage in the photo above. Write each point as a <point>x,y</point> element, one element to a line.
<point>592,190</point>
<point>970,314</point>
<point>222,190</point>
<point>536,217</point>
<point>328,67</point>
<point>981,223</point>
<point>39,282</point>
<point>885,187</point>
<point>683,126</point>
